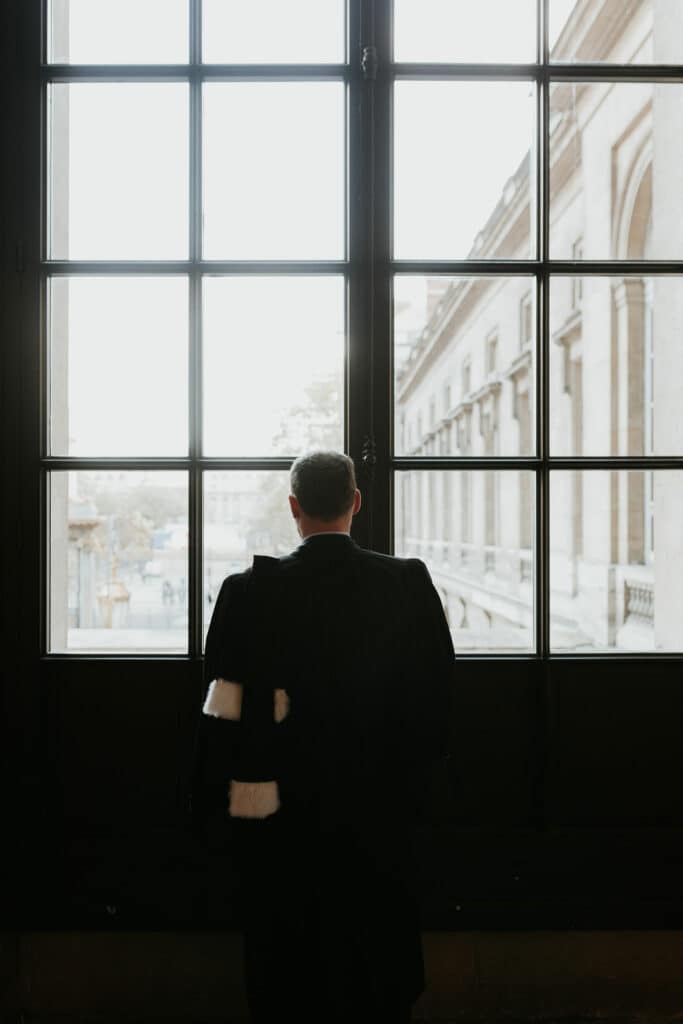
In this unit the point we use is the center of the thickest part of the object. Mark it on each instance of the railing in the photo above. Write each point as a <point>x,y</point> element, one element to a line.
<point>639,600</point>
<point>514,564</point>
<point>526,564</point>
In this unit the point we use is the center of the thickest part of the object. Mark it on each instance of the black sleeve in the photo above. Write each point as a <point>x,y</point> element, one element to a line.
<point>217,741</point>
<point>435,661</point>
<point>258,756</point>
<point>244,750</point>
<point>224,651</point>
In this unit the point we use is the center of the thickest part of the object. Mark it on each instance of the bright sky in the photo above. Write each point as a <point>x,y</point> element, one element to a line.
<point>274,170</point>
<point>127,171</point>
<point>262,31</point>
<point>559,11</point>
<point>463,30</point>
<point>298,30</point>
<point>127,369</point>
<point>273,189</point>
<point>265,339</point>
<point>120,32</point>
<point>456,145</point>
<point>472,30</point>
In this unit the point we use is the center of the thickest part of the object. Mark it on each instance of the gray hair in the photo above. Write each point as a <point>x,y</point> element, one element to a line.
<point>324,483</point>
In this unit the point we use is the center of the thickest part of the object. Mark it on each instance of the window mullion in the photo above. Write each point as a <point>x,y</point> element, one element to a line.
<point>542,540</point>
<point>195,510</point>
<point>381,425</point>
<point>360,141</point>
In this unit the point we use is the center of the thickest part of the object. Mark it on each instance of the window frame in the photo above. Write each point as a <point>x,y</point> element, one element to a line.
<point>567,814</point>
<point>358,356</point>
<point>369,269</point>
<point>543,73</point>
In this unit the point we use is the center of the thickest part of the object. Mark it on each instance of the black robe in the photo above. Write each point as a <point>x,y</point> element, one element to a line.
<point>360,644</point>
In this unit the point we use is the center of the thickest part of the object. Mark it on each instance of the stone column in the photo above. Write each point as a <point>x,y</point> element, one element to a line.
<point>667,243</point>
<point>629,300</point>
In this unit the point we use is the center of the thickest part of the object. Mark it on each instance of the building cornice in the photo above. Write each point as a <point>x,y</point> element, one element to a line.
<point>461,409</point>
<point>520,365</point>
<point>569,329</point>
<point>491,387</point>
<point>593,29</point>
<point>595,25</point>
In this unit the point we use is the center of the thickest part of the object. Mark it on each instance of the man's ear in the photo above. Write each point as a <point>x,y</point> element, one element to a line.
<point>295,507</point>
<point>356,503</point>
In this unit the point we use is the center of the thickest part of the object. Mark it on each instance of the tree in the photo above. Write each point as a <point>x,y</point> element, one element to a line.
<point>316,422</point>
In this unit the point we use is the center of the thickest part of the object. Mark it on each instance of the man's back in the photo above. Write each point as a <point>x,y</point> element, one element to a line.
<point>360,644</point>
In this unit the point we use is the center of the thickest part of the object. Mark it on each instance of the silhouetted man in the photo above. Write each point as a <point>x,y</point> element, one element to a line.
<point>329,674</point>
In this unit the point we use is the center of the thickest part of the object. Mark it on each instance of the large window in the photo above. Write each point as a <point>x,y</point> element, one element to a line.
<point>443,235</point>
<point>542,139</point>
<point>196,260</point>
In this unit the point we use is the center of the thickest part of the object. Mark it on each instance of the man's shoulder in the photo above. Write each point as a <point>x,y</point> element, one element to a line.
<point>234,584</point>
<point>263,567</point>
<point>368,562</point>
<point>397,564</point>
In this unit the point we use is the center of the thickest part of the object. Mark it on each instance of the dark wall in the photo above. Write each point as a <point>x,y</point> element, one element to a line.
<point>562,805</point>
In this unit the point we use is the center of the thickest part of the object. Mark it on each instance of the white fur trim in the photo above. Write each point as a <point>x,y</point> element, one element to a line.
<point>224,700</point>
<point>281,701</point>
<point>253,799</point>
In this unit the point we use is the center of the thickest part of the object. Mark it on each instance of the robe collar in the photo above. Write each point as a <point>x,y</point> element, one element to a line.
<point>327,545</point>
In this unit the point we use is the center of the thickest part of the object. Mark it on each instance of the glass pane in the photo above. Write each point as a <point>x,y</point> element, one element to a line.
<point>118,31</point>
<point>462,179</point>
<point>616,366</point>
<point>273,32</point>
<point>246,513</point>
<point>615,32</point>
<point>464,355</point>
<point>616,560</point>
<point>274,170</point>
<point>118,366</point>
<point>273,364</point>
<point>615,157</point>
<point>474,530</point>
<point>458,30</point>
<point>118,561</point>
<point>118,169</point>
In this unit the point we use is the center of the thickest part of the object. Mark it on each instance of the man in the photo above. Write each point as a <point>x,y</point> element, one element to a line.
<point>329,674</point>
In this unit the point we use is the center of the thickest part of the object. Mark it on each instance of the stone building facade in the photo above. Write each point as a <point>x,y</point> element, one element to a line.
<point>465,380</point>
